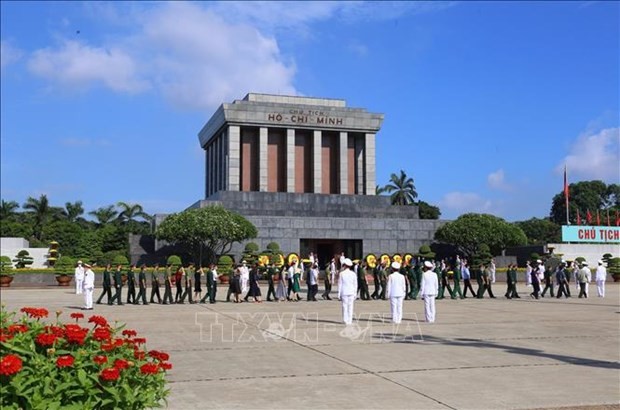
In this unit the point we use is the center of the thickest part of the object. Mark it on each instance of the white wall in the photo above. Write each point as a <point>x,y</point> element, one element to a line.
<point>591,252</point>
<point>11,246</point>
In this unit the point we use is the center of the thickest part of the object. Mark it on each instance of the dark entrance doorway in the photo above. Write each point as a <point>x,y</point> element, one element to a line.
<point>325,249</point>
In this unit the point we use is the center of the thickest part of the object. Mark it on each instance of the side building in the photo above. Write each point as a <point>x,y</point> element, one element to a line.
<point>303,171</point>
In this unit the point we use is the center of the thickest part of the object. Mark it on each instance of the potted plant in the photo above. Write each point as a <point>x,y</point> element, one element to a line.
<point>52,254</point>
<point>224,267</point>
<point>23,259</point>
<point>6,271</point>
<point>64,268</point>
<point>613,268</point>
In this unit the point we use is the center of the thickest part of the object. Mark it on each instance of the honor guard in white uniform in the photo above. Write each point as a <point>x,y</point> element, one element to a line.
<point>79,278</point>
<point>396,290</point>
<point>347,289</point>
<point>601,276</point>
<point>429,289</point>
<point>88,287</point>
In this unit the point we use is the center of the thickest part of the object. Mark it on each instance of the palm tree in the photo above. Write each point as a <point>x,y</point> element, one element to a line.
<point>129,212</point>
<point>73,210</point>
<point>41,210</point>
<point>7,208</point>
<point>104,215</point>
<point>402,189</point>
<point>379,190</point>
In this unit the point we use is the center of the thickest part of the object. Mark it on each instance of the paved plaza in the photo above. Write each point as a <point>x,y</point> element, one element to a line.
<point>480,354</point>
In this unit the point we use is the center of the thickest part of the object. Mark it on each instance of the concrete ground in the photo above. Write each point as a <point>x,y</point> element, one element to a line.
<point>480,354</point>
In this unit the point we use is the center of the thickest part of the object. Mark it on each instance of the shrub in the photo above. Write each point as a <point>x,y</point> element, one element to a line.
<point>58,365</point>
<point>273,247</point>
<point>120,260</point>
<point>250,254</point>
<point>224,264</point>
<point>425,252</point>
<point>6,266</point>
<point>613,266</point>
<point>534,256</point>
<point>65,265</point>
<point>580,259</point>
<point>174,260</point>
<point>110,257</point>
<point>23,259</point>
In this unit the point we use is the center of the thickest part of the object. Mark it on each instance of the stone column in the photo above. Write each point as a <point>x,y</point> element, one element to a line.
<point>344,163</point>
<point>317,139</point>
<point>234,157</point>
<point>290,160</point>
<point>369,159</point>
<point>359,165</point>
<point>262,159</point>
<point>207,173</point>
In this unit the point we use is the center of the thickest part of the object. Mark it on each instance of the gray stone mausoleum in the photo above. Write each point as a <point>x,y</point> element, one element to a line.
<point>302,170</point>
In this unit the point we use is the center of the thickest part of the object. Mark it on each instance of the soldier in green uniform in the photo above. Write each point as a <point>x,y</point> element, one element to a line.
<point>456,275</point>
<point>511,282</point>
<point>361,281</point>
<point>131,285</point>
<point>376,281</point>
<point>188,284</point>
<point>440,280</point>
<point>168,285</point>
<point>485,283</point>
<point>141,286</point>
<point>107,285</point>
<point>383,280</point>
<point>480,281</point>
<point>417,279</point>
<point>271,290</point>
<point>155,284</point>
<point>118,285</point>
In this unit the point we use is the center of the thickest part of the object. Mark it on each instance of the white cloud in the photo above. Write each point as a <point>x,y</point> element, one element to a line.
<point>594,155</point>
<point>8,53</point>
<point>462,202</point>
<point>75,64</point>
<point>496,180</point>
<point>358,49</point>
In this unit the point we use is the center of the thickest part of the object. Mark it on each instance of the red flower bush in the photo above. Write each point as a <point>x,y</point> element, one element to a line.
<point>65,361</point>
<point>110,374</point>
<point>71,365</point>
<point>10,364</point>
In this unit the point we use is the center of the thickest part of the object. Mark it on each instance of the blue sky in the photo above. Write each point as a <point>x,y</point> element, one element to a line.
<point>484,102</point>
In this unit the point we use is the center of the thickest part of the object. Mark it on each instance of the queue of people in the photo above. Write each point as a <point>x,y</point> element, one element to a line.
<point>392,280</point>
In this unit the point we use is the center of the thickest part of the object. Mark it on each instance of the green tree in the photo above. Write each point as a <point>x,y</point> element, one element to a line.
<point>471,230</point>
<point>584,196</point>
<point>15,229</point>
<point>67,234</point>
<point>89,247</point>
<point>7,209</point>
<point>428,211</point>
<point>23,259</point>
<point>104,215</point>
<point>206,232</point>
<point>540,231</point>
<point>402,189</point>
<point>113,238</point>
<point>73,210</point>
<point>42,212</point>
<point>130,213</point>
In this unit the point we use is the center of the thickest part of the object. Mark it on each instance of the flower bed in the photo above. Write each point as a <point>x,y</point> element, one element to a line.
<point>67,365</point>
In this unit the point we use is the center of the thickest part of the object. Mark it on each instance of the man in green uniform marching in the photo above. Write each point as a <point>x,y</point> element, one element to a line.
<point>417,279</point>
<point>188,284</point>
<point>107,285</point>
<point>456,274</point>
<point>155,284</point>
<point>271,291</point>
<point>141,286</point>
<point>118,285</point>
<point>440,279</point>
<point>168,285</point>
<point>131,285</point>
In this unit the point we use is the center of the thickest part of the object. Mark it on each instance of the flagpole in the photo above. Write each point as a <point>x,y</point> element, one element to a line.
<point>566,195</point>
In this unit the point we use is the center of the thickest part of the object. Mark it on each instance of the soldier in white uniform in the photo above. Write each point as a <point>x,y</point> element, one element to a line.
<point>88,286</point>
<point>429,289</point>
<point>347,289</point>
<point>396,290</point>
<point>601,276</point>
<point>79,278</point>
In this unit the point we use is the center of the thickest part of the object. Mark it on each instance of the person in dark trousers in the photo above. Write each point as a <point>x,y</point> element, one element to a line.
<point>155,284</point>
<point>362,283</point>
<point>187,293</point>
<point>178,282</point>
<point>107,285</point>
<point>330,275</point>
<point>466,273</point>
<point>254,286</point>
<point>141,286</point>
<point>118,285</point>
<point>271,290</point>
<point>548,275</point>
<point>131,285</point>
<point>456,276</point>
<point>584,276</point>
<point>168,285</point>
<point>511,282</point>
<point>535,281</point>
<point>383,272</point>
<point>212,283</point>
<point>561,279</point>
<point>486,282</point>
<point>376,282</point>
<point>198,274</point>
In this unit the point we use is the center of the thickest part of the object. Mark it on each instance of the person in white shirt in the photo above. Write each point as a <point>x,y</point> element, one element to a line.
<point>347,289</point>
<point>528,274</point>
<point>428,290</point>
<point>584,277</point>
<point>79,278</point>
<point>396,290</point>
<point>492,270</point>
<point>313,282</point>
<point>244,277</point>
<point>601,276</point>
<point>88,286</point>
